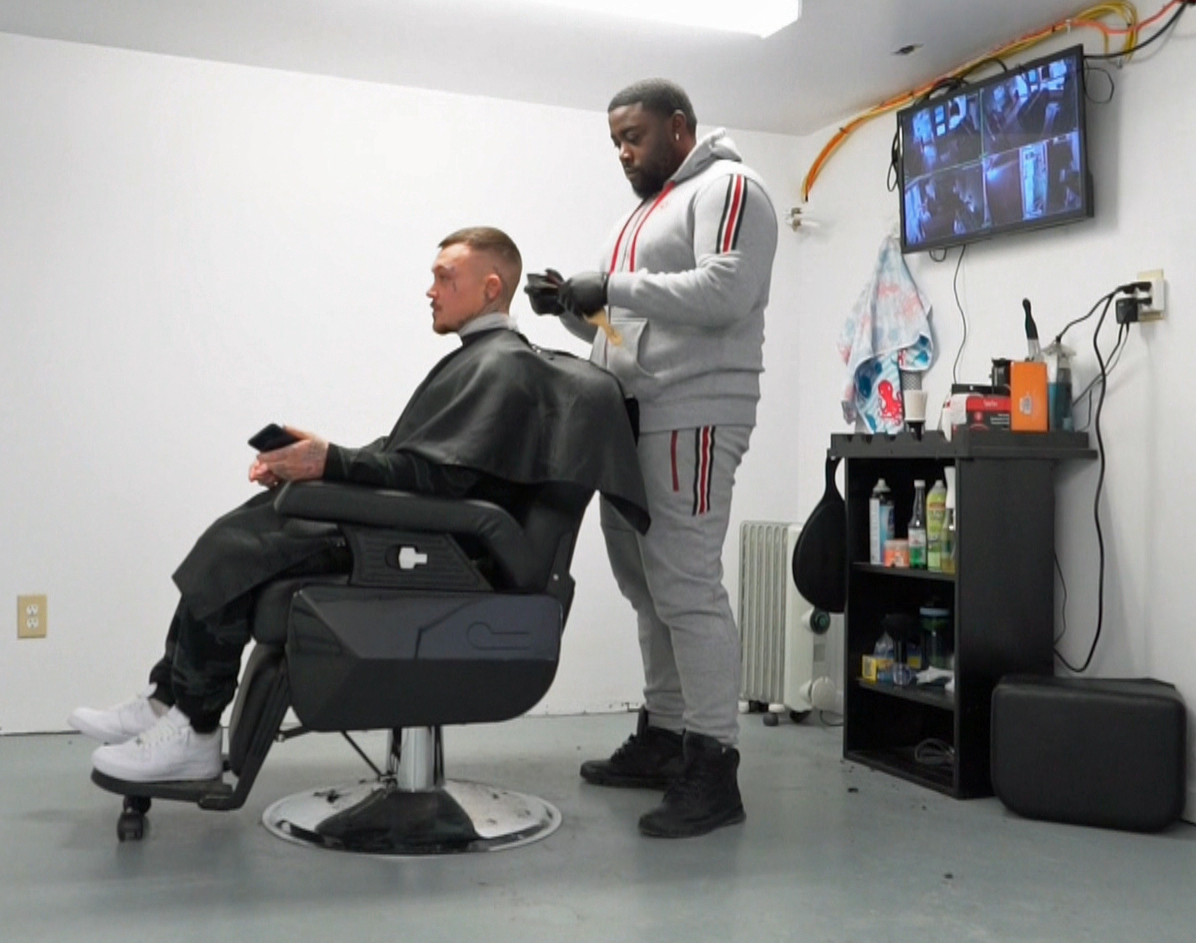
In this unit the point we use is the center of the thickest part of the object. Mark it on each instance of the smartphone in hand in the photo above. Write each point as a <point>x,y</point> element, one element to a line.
<point>272,437</point>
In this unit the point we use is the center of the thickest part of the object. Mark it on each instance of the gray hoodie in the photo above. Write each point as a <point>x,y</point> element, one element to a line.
<point>689,276</point>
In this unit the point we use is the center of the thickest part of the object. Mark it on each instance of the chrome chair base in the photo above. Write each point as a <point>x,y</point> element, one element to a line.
<point>378,817</point>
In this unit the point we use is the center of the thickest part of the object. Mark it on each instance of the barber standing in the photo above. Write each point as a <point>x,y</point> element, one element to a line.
<point>685,276</point>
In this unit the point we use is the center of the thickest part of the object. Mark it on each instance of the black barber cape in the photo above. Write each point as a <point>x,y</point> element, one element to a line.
<point>498,406</point>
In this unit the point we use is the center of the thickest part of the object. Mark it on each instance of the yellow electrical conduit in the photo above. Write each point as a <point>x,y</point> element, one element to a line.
<point>1087,18</point>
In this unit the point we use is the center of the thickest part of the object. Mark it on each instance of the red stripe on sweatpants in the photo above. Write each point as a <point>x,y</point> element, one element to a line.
<point>673,455</point>
<point>704,472</point>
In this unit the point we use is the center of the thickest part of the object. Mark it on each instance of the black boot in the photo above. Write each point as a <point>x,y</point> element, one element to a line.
<point>651,758</point>
<point>704,797</point>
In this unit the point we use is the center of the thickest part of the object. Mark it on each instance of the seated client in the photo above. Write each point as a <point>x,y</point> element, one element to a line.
<point>490,421</point>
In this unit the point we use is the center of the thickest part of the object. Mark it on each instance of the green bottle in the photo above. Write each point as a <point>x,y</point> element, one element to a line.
<point>936,511</point>
<point>917,528</point>
<point>950,546</point>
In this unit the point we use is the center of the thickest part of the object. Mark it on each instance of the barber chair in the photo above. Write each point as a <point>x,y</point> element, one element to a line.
<point>452,614</point>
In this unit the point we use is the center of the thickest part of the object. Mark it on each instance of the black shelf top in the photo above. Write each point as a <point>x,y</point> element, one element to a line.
<point>933,696</point>
<point>904,572</point>
<point>964,444</point>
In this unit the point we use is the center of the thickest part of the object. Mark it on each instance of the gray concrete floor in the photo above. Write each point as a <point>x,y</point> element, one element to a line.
<point>831,851</point>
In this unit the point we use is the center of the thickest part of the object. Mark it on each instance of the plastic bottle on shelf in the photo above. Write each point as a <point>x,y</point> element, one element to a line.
<point>936,633</point>
<point>949,545</point>
<point>917,528</point>
<point>880,522</point>
<point>888,519</point>
<point>885,652</point>
<point>950,536</point>
<point>936,507</point>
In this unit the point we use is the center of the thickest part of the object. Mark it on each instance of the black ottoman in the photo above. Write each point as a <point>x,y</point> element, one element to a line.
<point>1090,751</point>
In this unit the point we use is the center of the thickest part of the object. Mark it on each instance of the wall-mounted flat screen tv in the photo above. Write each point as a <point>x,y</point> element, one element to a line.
<point>999,156</point>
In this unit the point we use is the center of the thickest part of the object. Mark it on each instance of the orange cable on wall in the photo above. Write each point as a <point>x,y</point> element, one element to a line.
<point>1088,18</point>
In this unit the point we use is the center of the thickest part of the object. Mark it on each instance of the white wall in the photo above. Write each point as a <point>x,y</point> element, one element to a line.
<point>190,249</point>
<point>1141,155</point>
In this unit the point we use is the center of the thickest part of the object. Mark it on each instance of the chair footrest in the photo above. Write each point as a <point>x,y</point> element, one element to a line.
<point>191,790</point>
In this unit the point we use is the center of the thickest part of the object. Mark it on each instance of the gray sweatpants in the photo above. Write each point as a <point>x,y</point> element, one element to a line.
<point>673,577</point>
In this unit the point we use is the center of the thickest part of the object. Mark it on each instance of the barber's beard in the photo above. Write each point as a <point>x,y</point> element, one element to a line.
<point>654,171</point>
<point>644,190</point>
<point>651,181</point>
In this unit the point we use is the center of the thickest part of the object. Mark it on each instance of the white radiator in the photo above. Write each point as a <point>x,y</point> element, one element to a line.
<point>784,639</point>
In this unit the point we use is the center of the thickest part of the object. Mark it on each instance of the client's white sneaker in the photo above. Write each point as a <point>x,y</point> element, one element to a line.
<point>169,751</point>
<point>122,722</point>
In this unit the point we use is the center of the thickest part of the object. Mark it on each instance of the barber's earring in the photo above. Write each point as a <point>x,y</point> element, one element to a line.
<point>676,137</point>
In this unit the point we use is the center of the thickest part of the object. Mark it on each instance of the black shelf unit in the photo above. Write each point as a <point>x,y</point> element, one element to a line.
<point>1001,597</point>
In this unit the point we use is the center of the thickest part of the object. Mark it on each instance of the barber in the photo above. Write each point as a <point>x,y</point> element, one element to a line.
<point>685,276</point>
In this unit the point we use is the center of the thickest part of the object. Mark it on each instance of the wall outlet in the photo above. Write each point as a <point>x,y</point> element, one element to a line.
<point>1153,309</point>
<point>31,617</point>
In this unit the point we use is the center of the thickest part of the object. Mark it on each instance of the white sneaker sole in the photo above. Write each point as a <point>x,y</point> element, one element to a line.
<point>112,761</point>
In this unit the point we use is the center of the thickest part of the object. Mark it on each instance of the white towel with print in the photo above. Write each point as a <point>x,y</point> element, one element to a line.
<point>887,332</point>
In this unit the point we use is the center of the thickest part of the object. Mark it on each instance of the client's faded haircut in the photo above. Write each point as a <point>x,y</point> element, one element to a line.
<point>508,263</point>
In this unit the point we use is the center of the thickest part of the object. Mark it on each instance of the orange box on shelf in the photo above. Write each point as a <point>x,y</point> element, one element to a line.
<point>1028,396</point>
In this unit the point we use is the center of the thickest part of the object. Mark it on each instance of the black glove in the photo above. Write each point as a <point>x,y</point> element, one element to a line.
<point>585,293</point>
<point>543,291</point>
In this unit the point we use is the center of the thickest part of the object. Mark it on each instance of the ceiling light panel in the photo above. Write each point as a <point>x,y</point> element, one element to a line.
<point>758,17</point>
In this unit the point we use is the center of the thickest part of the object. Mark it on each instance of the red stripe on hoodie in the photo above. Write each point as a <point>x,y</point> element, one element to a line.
<point>635,238</point>
<point>733,216</point>
<point>614,256</point>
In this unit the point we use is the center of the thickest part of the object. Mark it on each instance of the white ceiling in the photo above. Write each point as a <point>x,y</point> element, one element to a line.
<point>836,60</point>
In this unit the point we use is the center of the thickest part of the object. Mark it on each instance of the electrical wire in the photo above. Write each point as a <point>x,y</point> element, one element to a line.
<point>1088,18</point>
<point>934,752</point>
<point>1127,289</point>
<point>1080,320</point>
<point>1154,17</point>
<point>1089,68</point>
<point>1114,358</point>
<point>963,317</point>
<point>1063,611</point>
<point>1100,483</point>
<point>1182,7</point>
